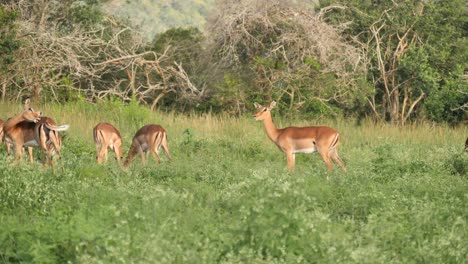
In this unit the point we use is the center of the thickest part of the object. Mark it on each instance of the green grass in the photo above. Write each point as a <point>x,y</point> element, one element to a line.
<point>227,196</point>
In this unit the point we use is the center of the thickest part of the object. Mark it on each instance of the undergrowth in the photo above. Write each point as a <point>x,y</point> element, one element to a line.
<point>227,197</point>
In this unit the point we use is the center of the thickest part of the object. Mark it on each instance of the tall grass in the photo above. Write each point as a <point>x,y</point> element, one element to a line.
<point>227,196</point>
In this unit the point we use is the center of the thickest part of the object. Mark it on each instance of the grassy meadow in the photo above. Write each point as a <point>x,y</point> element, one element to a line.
<point>227,197</point>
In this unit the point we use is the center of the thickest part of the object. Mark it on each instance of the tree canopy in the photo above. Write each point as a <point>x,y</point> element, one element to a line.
<point>395,61</point>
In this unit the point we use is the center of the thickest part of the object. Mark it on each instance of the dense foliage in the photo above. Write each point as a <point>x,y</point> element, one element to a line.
<point>395,61</point>
<point>417,54</point>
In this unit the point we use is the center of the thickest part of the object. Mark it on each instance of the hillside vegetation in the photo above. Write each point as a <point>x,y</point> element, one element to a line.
<point>156,16</point>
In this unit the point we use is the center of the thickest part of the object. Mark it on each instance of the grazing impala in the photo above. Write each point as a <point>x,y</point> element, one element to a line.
<point>17,130</point>
<point>107,136</point>
<point>292,140</point>
<point>149,138</point>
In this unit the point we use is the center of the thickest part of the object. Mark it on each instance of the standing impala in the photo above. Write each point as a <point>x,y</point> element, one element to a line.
<point>44,134</point>
<point>149,138</point>
<point>17,129</point>
<point>292,140</point>
<point>28,129</point>
<point>107,136</point>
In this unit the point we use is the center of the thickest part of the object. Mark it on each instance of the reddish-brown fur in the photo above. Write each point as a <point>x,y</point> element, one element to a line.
<point>149,138</point>
<point>22,131</point>
<point>1,130</point>
<point>16,131</point>
<point>292,140</point>
<point>107,136</point>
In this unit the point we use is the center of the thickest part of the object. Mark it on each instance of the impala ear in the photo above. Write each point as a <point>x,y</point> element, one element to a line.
<point>257,105</point>
<point>272,104</point>
<point>26,103</point>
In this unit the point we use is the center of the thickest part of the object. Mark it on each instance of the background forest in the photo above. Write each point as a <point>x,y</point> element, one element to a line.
<point>395,61</point>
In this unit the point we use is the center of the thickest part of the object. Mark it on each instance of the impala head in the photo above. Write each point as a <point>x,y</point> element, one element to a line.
<point>29,114</point>
<point>118,153</point>
<point>263,111</point>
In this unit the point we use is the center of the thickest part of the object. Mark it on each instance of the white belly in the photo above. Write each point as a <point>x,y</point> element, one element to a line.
<point>306,150</point>
<point>144,147</point>
<point>31,143</point>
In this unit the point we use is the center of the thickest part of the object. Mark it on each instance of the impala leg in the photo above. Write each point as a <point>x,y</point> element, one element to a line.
<point>166,149</point>
<point>156,156</point>
<point>106,155</point>
<point>47,161</point>
<point>18,152</point>
<point>142,155</point>
<point>118,152</point>
<point>98,149</point>
<point>326,158</point>
<point>334,155</point>
<point>52,164</point>
<point>30,151</point>
<point>102,152</point>
<point>290,160</point>
<point>8,147</point>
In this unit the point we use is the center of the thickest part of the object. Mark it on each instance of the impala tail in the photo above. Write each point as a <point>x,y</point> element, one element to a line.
<point>57,128</point>
<point>49,138</point>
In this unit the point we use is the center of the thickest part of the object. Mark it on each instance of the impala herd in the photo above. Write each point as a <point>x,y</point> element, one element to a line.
<point>30,129</point>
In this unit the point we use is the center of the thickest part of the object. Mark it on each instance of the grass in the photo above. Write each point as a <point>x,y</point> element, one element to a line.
<point>227,196</point>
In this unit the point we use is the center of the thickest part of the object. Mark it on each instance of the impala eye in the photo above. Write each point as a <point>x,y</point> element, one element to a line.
<point>264,110</point>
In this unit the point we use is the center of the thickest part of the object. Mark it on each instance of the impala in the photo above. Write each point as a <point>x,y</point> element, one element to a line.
<point>149,138</point>
<point>1,130</point>
<point>3,138</point>
<point>107,136</point>
<point>17,129</point>
<point>44,134</point>
<point>292,140</point>
<point>2,135</point>
<point>466,145</point>
<point>24,131</point>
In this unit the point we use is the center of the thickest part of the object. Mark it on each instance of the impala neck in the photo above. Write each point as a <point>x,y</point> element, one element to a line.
<point>270,128</point>
<point>14,121</point>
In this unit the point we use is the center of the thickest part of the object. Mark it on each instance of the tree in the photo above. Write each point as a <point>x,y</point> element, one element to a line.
<point>415,52</point>
<point>183,47</point>
<point>284,52</point>
<point>8,44</point>
<point>94,61</point>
